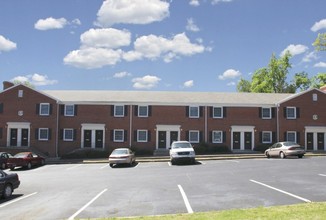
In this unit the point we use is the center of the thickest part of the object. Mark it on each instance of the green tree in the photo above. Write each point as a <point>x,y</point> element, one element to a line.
<point>320,42</point>
<point>301,81</point>
<point>319,80</point>
<point>244,85</point>
<point>26,83</point>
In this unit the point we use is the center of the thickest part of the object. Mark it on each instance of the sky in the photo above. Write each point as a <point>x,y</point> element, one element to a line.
<point>155,45</point>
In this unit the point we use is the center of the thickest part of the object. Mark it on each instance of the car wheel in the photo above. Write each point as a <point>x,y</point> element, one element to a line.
<point>12,168</point>
<point>42,162</point>
<point>29,166</point>
<point>172,162</point>
<point>7,191</point>
<point>300,156</point>
<point>111,164</point>
<point>267,155</point>
<point>3,166</point>
<point>282,155</point>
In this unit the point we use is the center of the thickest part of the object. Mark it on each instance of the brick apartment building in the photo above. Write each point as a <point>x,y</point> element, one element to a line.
<point>58,122</point>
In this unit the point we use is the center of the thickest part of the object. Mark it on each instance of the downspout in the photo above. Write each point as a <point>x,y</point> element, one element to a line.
<point>277,122</point>
<point>57,132</point>
<point>130,125</point>
<point>206,124</point>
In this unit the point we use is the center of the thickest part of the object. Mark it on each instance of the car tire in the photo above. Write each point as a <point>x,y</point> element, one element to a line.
<point>267,155</point>
<point>111,164</point>
<point>7,192</point>
<point>42,162</point>
<point>12,168</point>
<point>3,166</point>
<point>172,162</point>
<point>300,156</point>
<point>282,155</point>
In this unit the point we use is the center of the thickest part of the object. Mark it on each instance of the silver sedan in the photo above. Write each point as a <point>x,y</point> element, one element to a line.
<point>284,149</point>
<point>122,156</point>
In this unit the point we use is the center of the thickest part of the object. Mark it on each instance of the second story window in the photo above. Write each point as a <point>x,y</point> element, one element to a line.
<point>69,110</point>
<point>44,109</point>
<point>217,112</point>
<point>193,111</point>
<point>142,111</point>
<point>266,113</point>
<point>291,113</point>
<point>119,110</point>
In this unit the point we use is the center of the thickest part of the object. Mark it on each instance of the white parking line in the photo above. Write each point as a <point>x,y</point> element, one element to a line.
<point>18,199</point>
<point>322,174</point>
<point>85,206</point>
<point>279,190</point>
<point>70,168</point>
<point>105,166</point>
<point>169,163</point>
<point>185,199</point>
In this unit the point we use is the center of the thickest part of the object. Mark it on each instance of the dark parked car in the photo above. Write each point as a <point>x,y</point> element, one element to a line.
<point>284,149</point>
<point>26,160</point>
<point>8,182</point>
<point>3,159</point>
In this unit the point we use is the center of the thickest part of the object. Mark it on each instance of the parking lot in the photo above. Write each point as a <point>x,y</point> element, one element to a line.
<point>71,191</point>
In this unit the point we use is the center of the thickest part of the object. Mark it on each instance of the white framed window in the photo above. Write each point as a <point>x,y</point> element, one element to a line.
<point>217,112</point>
<point>43,134</point>
<point>314,97</point>
<point>193,111</point>
<point>266,113</point>
<point>44,109</point>
<point>119,111</point>
<point>143,111</point>
<point>142,135</point>
<point>118,135</point>
<point>68,134</point>
<point>20,93</point>
<point>291,112</point>
<point>266,137</point>
<point>69,110</point>
<point>194,136</point>
<point>291,136</point>
<point>217,137</point>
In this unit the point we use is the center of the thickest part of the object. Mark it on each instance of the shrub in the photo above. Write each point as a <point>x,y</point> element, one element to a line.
<point>86,153</point>
<point>261,147</point>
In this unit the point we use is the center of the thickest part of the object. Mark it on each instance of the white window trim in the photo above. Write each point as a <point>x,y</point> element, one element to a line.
<point>221,112</point>
<point>295,136</point>
<point>270,137</point>
<point>141,106</point>
<point>217,142</point>
<point>39,134</point>
<point>138,131</point>
<point>295,113</point>
<point>20,93</point>
<point>64,134</point>
<point>123,134</point>
<point>40,110</point>
<point>198,109</point>
<point>194,131</point>
<point>115,112</point>
<point>262,113</point>
<point>73,110</point>
<point>315,97</point>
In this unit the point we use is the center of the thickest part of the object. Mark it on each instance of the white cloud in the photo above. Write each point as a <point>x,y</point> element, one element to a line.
<point>215,2</point>
<point>194,3</point>
<point>76,21</point>
<point>320,64</point>
<point>188,84</point>
<point>230,74</point>
<point>50,23</point>
<point>319,25</point>
<point>146,82</point>
<point>35,79</point>
<point>6,45</point>
<point>131,12</point>
<point>231,84</point>
<point>309,57</point>
<point>121,74</point>
<point>106,38</point>
<point>191,26</point>
<point>295,49</point>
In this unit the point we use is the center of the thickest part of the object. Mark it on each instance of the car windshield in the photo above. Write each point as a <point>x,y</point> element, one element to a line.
<point>120,151</point>
<point>20,155</point>
<point>181,145</point>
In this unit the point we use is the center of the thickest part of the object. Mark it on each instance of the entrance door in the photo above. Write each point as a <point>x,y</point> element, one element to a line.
<point>162,139</point>
<point>236,140</point>
<point>99,139</point>
<point>310,141</point>
<point>24,139</point>
<point>173,136</point>
<point>87,138</point>
<point>13,136</point>
<point>248,140</point>
<point>320,141</point>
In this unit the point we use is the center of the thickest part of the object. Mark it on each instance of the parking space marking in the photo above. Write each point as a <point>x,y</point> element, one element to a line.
<point>85,206</point>
<point>282,191</point>
<point>169,163</point>
<point>185,199</point>
<point>322,174</point>
<point>18,199</point>
<point>70,168</point>
<point>105,166</point>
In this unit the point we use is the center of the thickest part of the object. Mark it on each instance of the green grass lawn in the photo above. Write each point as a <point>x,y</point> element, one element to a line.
<point>305,211</point>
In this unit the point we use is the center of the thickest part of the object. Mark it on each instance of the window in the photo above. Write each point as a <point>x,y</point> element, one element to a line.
<point>217,137</point>
<point>44,109</point>
<point>266,137</point>
<point>290,112</point>
<point>315,97</point>
<point>141,135</point>
<point>68,134</point>
<point>69,110</point>
<point>194,112</point>
<point>20,93</point>
<point>118,135</point>
<point>142,111</point>
<point>217,112</point>
<point>266,113</point>
<point>119,110</point>
<point>43,134</point>
<point>194,136</point>
<point>291,136</point>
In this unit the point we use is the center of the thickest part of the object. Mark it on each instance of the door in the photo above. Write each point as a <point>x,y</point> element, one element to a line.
<point>13,136</point>
<point>87,138</point>
<point>99,139</point>
<point>173,136</point>
<point>236,140</point>
<point>24,139</point>
<point>248,140</point>
<point>310,141</point>
<point>162,139</point>
<point>320,141</point>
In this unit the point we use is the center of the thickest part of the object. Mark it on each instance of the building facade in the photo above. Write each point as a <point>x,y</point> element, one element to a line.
<point>58,122</point>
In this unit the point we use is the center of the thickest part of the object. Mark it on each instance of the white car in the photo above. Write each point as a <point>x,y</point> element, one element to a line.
<point>182,151</point>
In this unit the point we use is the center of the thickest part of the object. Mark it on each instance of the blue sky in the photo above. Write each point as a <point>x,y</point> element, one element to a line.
<point>179,45</point>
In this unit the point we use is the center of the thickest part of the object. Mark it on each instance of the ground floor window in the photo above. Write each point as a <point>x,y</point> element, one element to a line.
<point>194,136</point>
<point>43,134</point>
<point>142,135</point>
<point>266,137</point>
<point>118,135</point>
<point>217,137</point>
<point>291,136</point>
<point>68,134</point>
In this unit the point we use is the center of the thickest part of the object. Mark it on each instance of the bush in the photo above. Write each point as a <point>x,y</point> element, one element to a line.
<point>204,148</point>
<point>261,147</point>
<point>86,153</point>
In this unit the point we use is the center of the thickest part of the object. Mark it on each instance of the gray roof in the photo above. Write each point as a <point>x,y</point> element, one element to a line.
<point>166,98</point>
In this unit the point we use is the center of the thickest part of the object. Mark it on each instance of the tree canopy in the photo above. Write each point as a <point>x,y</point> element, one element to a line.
<point>320,42</point>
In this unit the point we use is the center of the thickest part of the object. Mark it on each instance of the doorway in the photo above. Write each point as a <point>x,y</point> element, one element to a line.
<point>162,139</point>
<point>99,139</point>
<point>236,140</point>
<point>310,141</point>
<point>320,141</point>
<point>88,138</point>
<point>248,140</point>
